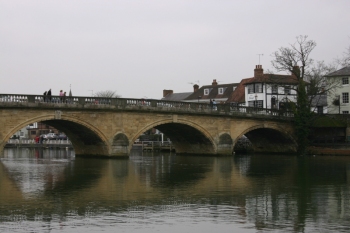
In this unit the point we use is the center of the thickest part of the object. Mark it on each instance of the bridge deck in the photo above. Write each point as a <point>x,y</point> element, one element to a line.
<point>99,103</point>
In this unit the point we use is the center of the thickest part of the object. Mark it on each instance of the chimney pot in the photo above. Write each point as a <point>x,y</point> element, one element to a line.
<point>214,83</point>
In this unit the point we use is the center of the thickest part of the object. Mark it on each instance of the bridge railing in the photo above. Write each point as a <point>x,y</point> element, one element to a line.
<point>139,104</point>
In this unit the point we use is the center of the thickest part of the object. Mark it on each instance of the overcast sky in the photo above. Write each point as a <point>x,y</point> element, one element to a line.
<point>138,48</point>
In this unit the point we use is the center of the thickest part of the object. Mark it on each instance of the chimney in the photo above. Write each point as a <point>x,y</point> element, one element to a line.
<point>195,87</point>
<point>296,71</point>
<point>167,92</point>
<point>258,71</point>
<point>214,83</point>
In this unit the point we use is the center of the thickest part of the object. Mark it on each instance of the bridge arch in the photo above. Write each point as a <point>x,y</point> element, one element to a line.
<point>186,136</point>
<point>86,138</point>
<point>270,139</point>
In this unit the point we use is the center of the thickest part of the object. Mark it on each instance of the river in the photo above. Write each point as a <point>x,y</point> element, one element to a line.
<point>51,190</point>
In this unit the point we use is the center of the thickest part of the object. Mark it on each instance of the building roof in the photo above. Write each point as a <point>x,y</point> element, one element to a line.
<point>274,78</point>
<point>345,71</point>
<point>213,92</point>
<point>177,96</point>
<point>319,100</point>
<point>238,96</point>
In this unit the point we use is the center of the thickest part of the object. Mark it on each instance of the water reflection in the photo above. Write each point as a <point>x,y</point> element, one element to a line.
<point>47,189</point>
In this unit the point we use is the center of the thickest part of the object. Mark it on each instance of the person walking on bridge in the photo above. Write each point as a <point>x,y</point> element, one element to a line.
<point>49,95</point>
<point>44,96</point>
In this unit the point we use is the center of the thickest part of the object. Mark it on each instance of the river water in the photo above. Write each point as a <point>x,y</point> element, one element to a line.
<point>50,190</point>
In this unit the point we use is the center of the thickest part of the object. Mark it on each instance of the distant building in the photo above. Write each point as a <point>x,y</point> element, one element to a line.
<point>218,92</point>
<point>271,91</point>
<point>338,100</point>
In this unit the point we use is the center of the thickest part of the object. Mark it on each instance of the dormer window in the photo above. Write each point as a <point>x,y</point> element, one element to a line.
<point>234,88</point>
<point>221,90</point>
<point>206,91</point>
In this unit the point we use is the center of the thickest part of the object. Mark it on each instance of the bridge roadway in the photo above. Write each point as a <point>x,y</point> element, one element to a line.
<point>109,126</point>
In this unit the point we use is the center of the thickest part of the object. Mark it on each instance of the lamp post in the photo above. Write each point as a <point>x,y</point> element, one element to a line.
<point>256,102</point>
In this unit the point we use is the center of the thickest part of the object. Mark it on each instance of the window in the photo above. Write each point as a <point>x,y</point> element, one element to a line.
<point>221,91</point>
<point>345,81</point>
<point>255,88</point>
<point>234,88</point>
<point>319,109</point>
<point>274,89</point>
<point>287,90</point>
<point>345,96</point>
<point>345,112</point>
<point>255,103</point>
<point>258,88</point>
<point>250,88</point>
<point>206,91</point>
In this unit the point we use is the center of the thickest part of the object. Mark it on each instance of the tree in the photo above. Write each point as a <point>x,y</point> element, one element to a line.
<point>107,94</point>
<point>296,60</point>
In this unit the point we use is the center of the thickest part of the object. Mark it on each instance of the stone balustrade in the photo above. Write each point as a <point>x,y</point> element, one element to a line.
<point>19,100</point>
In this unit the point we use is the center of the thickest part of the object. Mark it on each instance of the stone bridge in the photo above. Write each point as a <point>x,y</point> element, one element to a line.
<point>109,126</point>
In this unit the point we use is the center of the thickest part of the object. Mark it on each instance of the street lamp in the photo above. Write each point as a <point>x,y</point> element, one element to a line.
<point>256,102</point>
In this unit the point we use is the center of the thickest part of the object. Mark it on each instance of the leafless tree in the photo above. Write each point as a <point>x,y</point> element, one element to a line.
<point>298,54</point>
<point>107,94</point>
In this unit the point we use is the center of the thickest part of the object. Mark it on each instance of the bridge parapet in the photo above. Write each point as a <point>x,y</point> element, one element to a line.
<point>23,100</point>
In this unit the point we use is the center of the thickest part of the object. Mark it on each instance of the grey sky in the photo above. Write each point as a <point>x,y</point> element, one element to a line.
<point>139,48</point>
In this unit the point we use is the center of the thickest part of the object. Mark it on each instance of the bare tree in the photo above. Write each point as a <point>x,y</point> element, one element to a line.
<point>296,60</point>
<point>107,94</point>
<point>298,54</point>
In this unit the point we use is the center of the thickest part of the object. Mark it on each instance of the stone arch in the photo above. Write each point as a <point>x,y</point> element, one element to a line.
<point>92,142</point>
<point>205,143</point>
<point>270,139</point>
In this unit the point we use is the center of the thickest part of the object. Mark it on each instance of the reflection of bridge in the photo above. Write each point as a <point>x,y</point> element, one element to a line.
<point>109,126</point>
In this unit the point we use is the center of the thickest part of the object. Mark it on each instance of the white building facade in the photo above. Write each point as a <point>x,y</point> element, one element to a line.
<point>338,97</point>
<point>269,90</point>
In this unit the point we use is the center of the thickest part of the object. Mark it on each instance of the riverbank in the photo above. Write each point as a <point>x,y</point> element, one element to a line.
<point>334,149</point>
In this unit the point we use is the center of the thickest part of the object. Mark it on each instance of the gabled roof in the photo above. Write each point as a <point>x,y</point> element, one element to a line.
<point>319,100</point>
<point>213,92</point>
<point>238,96</point>
<point>177,96</point>
<point>274,78</point>
<point>342,72</point>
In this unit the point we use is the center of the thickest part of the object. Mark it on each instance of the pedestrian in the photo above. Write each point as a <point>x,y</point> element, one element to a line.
<point>49,95</point>
<point>44,96</point>
<point>211,103</point>
<point>41,138</point>
<point>64,97</point>
<point>61,95</point>
<point>214,104</point>
<point>36,139</point>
